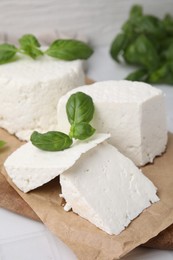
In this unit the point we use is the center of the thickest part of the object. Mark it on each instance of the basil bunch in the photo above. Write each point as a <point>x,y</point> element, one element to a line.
<point>146,41</point>
<point>80,110</point>
<point>61,49</point>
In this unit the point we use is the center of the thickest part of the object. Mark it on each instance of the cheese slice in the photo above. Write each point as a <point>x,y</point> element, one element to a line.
<point>132,112</point>
<point>29,167</point>
<point>106,188</point>
<point>30,90</point>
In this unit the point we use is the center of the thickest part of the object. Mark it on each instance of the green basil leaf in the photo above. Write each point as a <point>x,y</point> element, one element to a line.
<point>149,24</point>
<point>7,52</point>
<point>136,11</point>
<point>162,75</point>
<point>165,43</point>
<point>30,46</point>
<point>168,24</point>
<point>142,52</point>
<point>32,52</point>
<point>118,44</point>
<point>2,143</point>
<point>138,75</point>
<point>79,108</point>
<point>28,40</point>
<point>69,50</point>
<point>168,53</point>
<point>129,26</point>
<point>81,131</point>
<point>51,141</point>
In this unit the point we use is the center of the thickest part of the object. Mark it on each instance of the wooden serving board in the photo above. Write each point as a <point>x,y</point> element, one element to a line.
<point>10,199</point>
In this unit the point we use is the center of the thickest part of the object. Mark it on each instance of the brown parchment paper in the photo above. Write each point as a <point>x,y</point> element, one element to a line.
<point>9,198</point>
<point>87,241</point>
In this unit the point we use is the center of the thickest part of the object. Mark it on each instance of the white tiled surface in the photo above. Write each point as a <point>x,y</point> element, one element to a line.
<point>24,239</point>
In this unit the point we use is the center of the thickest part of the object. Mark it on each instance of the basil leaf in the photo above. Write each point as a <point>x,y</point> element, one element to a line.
<point>168,24</point>
<point>69,50</point>
<point>32,52</point>
<point>7,52</point>
<point>162,75</point>
<point>164,45</point>
<point>28,40</point>
<point>81,131</point>
<point>168,53</point>
<point>51,141</point>
<point>142,52</point>
<point>138,75</point>
<point>30,45</point>
<point>136,11</point>
<point>149,25</point>
<point>2,143</point>
<point>79,108</point>
<point>118,45</point>
<point>129,26</point>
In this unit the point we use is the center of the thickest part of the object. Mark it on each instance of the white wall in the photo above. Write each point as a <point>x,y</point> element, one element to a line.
<point>100,20</point>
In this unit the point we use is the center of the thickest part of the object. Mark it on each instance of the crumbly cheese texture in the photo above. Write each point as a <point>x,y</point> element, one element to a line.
<point>30,90</point>
<point>30,167</point>
<point>132,112</point>
<point>106,188</point>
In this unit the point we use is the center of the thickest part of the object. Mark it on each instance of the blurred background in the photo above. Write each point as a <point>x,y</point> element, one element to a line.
<point>98,20</point>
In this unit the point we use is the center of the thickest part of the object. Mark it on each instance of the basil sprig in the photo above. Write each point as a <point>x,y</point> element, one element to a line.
<point>80,110</point>
<point>64,49</point>
<point>2,143</point>
<point>146,41</point>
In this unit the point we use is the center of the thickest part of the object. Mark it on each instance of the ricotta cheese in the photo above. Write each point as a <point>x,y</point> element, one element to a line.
<point>132,112</point>
<point>106,188</point>
<point>30,90</point>
<point>29,167</point>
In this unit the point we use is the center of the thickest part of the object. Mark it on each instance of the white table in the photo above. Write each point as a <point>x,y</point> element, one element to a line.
<point>25,239</point>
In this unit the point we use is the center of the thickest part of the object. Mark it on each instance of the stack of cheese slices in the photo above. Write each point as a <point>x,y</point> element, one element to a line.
<point>99,177</point>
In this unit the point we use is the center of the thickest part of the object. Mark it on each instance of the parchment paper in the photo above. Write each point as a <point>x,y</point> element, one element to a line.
<point>87,241</point>
<point>9,198</point>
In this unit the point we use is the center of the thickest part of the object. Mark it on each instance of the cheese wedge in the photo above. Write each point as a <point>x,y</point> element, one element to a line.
<point>29,167</point>
<point>106,188</point>
<point>30,90</point>
<point>132,112</point>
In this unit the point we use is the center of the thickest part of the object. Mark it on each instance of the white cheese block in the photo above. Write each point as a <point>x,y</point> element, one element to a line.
<point>30,167</point>
<point>132,112</point>
<point>30,90</point>
<point>106,188</point>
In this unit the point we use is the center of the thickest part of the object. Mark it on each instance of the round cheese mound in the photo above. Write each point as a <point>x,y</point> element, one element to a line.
<point>132,112</point>
<point>30,90</point>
